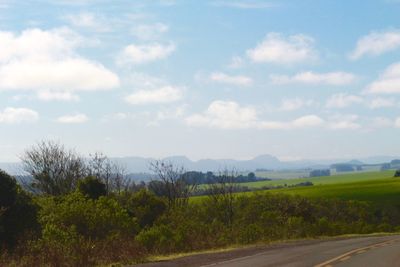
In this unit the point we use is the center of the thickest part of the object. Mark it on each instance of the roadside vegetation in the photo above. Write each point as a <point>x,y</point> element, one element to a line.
<point>76,211</point>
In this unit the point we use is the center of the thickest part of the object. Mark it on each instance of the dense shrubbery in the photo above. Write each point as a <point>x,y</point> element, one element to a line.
<point>92,187</point>
<point>87,228</point>
<point>17,212</point>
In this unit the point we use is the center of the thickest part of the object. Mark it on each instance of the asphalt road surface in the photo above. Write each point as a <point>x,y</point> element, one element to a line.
<point>361,251</point>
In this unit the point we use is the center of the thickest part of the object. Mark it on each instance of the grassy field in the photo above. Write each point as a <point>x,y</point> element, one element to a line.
<point>290,174</point>
<point>301,173</point>
<point>325,180</point>
<point>380,191</point>
<point>379,188</point>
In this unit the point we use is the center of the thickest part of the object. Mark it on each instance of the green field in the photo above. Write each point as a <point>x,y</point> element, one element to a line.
<point>379,188</point>
<point>325,180</point>
<point>301,173</point>
<point>380,191</point>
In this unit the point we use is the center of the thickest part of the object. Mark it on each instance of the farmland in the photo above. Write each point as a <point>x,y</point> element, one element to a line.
<point>379,188</point>
<point>383,191</point>
<point>325,180</point>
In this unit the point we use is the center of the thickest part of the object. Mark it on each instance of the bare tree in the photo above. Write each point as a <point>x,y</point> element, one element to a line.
<point>119,181</point>
<point>111,173</point>
<point>222,193</point>
<point>54,169</point>
<point>172,182</point>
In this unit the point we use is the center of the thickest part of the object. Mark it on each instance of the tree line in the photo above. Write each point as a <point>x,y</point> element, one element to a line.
<point>79,211</point>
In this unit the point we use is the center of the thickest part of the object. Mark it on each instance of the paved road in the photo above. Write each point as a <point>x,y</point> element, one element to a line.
<point>362,251</point>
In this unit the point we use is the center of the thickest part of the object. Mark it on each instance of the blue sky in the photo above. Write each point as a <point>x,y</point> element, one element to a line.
<point>205,79</point>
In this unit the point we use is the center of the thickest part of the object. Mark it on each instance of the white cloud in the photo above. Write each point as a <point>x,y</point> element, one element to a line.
<point>237,80</point>
<point>60,96</point>
<point>388,82</point>
<point>225,115</point>
<point>149,31</point>
<point>309,77</point>
<point>343,100</point>
<point>143,81</point>
<point>344,122</point>
<point>397,122</point>
<point>173,113</point>
<point>87,20</point>
<point>381,103</point>
<point>244,4</point>
<point>294,104</point>
<point>307,121</point>
<point>230,115</point>
<point>276,48</point>
<point>45,62</point>
<point>18,115</point>
<point>118,116</point>
<point>376,43</point>
<point>140,54</point>
<point>73,119</point>
<point>166,94</point>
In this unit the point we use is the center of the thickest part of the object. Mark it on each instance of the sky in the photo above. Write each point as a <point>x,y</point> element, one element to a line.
<point>206,79</point>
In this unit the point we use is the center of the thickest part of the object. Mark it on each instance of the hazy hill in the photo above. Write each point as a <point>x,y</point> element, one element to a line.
<point>142,165</point>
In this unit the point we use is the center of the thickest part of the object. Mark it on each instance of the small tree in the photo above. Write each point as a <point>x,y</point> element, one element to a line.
<point>111,173</point>
<point>54,169</point>
<point>146,207</point>
<point>222,194</point>
<point>92,187</point>
<point>17,211</point>
<point>172,182</point>
<point>397,173</point>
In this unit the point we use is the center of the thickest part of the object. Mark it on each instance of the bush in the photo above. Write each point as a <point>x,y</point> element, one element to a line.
<point>146,207</point>
<point>92,187</point>
<point>95,219</point>
<point>159,238</point>
<point>17,211</point>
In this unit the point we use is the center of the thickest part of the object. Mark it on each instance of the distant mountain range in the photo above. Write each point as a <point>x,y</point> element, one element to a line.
<point>141,164</point>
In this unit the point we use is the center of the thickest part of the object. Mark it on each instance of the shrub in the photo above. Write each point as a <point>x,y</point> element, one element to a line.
<point>158,238</point>
<point>146,207</point>
<point>92,187</point>
<point>17,211</point>
<point>95,219</point>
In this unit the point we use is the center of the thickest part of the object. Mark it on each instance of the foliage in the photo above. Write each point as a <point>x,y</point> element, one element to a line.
<point>172,183</point>
<point>17,211</point>
<point>55,170</point>
<point>195,177</point>
<point>110,173</point>
<point>92,187</point>
<point>88,228</point>
<point>145,207</point>
<point>76,214</point>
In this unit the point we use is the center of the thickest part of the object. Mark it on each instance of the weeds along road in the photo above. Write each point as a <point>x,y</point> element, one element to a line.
<point>374,251</point>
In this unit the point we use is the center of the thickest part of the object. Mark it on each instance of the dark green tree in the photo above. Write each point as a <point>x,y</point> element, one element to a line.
<point>17,211</point>
<point>146,207</point>
<point>92,187</point>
